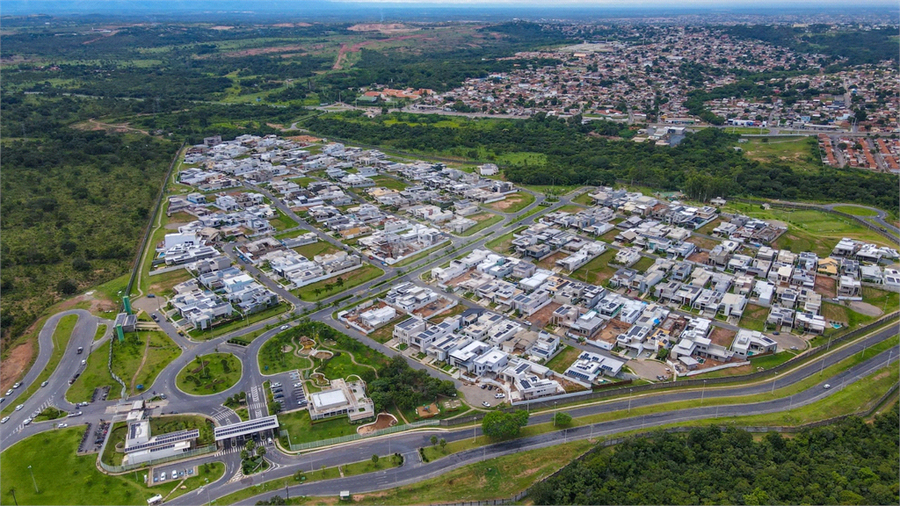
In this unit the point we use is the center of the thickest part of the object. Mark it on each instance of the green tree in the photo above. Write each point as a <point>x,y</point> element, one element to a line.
<point>434,440</point>
<point>374,458</point>
<point>251,444</point>
<point>443,444</point>
<point>561,419</point>
<point>261,450</point>
<point>500,425</point>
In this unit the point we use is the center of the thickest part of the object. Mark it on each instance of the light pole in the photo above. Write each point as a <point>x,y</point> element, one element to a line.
<point>207,491</point>
<point>32,480</point>
<point>474,428</point>
<point>703,392</point>
<point>630,395</point>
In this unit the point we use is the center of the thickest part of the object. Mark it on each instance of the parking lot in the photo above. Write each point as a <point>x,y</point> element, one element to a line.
<point>287,390</point>
<point>475,395</point>
<point>169,473</point>
<point>93,437</point>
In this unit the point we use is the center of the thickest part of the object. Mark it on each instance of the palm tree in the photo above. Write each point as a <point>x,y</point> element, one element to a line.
<point>339,282</point>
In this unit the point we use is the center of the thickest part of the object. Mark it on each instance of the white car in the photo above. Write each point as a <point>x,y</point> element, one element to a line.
<point>162,477</point>
<point>5,419</point>
<point>62,426</point>
<point>27,421</point>
<point>285,327</point>
<point>17,385</point>
<point>827,386</point>
<point>9,392</point>
<point>43,384</point>
<point>485,404</point>
<point>19,407</point>
<point>499,396</point>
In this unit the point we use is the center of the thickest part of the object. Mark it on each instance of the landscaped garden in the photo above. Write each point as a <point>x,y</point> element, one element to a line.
<point>209,374</point>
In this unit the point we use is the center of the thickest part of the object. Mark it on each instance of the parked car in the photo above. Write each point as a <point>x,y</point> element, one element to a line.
<point>155,318</point>
<point>485,404</point>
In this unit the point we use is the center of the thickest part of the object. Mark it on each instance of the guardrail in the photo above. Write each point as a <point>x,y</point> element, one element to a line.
<point>354,437</point>
<point>203,450</point>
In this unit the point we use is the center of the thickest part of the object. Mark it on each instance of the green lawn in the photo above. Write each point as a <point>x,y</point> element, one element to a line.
<point>856,211</point>
<point>211,379</point>
<point>754,317</point>
<point>485,220</point>
<point>353,278</point>
<point>389,183</point>
<point>367,466</point>
<point>643,264</point>
<point>598,270</point>
<point>282,221</point>
<point>101,329</point>
<point>303,181</point>
<point>94,375</point>
<point>161,352</point>
<point>61,476</point>
<point>564,359</point>
<point>584,198</point>
<point>301,430</point>
<point>161,284</point>
<point>273,360</point>
<point>497,478</point>
<point>61,335</point>
<point>341,366</point>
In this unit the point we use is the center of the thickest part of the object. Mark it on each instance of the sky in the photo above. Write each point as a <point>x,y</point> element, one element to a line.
<point>125,7</point>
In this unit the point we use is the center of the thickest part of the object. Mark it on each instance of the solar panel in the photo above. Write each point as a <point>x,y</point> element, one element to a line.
<point>242,428</point>
<point>165,439</point>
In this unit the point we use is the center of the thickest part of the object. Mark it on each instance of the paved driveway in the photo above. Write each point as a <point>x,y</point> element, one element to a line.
<point>786,341</point>
<point>648,369</point>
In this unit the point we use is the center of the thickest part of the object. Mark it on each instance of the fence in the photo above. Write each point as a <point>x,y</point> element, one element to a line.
<point>149,231</point>
<point>203,450</point>
<point>353,437</point>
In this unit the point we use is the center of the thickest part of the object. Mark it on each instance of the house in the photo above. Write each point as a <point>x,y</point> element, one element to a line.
<point>589,366</point>
<point>488,169</point>
<point>749,343</point>
<point>849,287</point>
<point>733,305</point>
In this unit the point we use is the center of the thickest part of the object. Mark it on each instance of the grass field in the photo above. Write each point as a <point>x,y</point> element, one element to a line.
<point>213,378</point>
<point>811,230</point>
<point>598,270</point>
<point>643,264</point>
<point>341,366</point>
<point>484,220</point>
<point>160,353</point>
<point>513,203</point>
<point>501,244</point>
<point>353,278</point>
<point>584,198</point>
<point>61,476</point>
<point>793,151</point>
<point>281,221</point>
<point>564,359</point>
<point>94,375</point>
<point>301,430</point>
<point>389,183</point>
<point>272,360</point>
<point>418,256</point>
<point>367,466</point>
<point>754,317</point>
<point>61,335</point>
<point>856,211</point>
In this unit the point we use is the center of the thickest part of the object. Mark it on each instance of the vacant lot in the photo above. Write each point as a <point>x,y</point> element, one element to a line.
<point>513,203</point>
<point>598,270</point>
<point>564,359</point>
<point>795,151</point>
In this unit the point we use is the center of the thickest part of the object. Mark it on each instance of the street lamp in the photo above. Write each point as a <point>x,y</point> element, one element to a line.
<point>32,480</point>
<point>703,392</point>
<point>207,491</point>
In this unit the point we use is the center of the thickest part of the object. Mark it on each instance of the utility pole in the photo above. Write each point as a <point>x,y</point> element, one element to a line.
<point>32,480</point>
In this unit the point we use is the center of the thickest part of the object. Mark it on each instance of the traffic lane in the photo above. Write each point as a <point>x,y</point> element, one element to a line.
<point>413,474</point>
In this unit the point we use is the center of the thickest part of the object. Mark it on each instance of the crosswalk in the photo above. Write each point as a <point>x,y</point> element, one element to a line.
<point>225,416</point>
<point>46,404</point>
<point>228,451</point>
<point>257,405</point>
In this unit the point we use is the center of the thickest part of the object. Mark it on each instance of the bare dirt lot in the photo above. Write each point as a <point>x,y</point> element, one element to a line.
<point>541,318</point>
<point>722,337</point>
<point>612,330</point>
<point>383,421</point>
<point>381,27</point>
<point>825,286</point>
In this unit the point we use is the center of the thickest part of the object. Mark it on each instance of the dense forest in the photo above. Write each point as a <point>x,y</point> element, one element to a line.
<point>399,384</point>
<point>704,165</point>
<point>858,47</point>
<point>850,462</point>
<point>74,202</point>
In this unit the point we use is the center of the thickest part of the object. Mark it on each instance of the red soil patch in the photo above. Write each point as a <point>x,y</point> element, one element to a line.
<point>382,422</point>
<point>14,365</point>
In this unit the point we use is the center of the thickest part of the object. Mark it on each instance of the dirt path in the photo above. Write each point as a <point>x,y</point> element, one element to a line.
<point>405,421</point>
<point>143,360</point>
